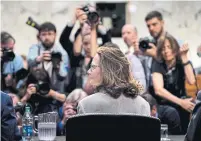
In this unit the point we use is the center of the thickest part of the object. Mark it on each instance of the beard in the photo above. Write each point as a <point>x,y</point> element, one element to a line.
<point>48,45</point>
<point>157,35</point>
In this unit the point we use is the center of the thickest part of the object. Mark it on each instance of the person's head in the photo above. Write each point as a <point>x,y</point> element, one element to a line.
<point>153,104</point>
<point>37,75</point>
<point>129,33</point>
<point>111,69</point>
<point>168,49</point>
<point>75,96</point>
<point>7,41</point>
<point>155,23</point>
<point>47,34</point>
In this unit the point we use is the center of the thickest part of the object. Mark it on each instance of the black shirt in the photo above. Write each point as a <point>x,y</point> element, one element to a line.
<point>173,79</point>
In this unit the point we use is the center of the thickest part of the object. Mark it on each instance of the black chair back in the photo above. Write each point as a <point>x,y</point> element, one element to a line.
<point>110,127</point>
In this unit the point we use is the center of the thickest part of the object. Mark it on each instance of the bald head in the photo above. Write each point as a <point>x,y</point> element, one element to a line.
<point>129,33</point>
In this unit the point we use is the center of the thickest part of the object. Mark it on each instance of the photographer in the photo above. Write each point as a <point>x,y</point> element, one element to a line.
<point>50,56</point>
<point>85,44</point>
<point>129,35</point>
<point>11,63</point>
<point>38,92</point>
<point>145,48</point>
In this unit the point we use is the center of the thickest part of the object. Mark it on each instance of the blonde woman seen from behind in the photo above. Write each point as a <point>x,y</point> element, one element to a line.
<point>116,90</point>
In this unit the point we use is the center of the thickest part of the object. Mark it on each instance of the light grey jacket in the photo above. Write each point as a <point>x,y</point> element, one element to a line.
<point>104,103</point>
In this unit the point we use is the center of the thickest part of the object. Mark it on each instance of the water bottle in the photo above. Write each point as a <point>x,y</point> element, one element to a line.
<point>27,125</point>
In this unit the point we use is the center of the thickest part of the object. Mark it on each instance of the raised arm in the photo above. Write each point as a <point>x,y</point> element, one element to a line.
<point>188,68</point>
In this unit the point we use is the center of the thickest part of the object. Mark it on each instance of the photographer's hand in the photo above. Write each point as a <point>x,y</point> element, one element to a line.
<point>152,51</point>
<point>47,55</point>
<point>80,16</point>
<point>31,89</point>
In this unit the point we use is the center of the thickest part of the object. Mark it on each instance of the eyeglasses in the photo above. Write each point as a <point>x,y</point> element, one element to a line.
<point>93,67</point>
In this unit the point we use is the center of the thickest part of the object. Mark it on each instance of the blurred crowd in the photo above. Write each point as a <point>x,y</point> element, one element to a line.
<point>69,76</point>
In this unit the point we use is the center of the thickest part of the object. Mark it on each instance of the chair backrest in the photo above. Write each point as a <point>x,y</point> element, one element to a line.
<point>112,127</point>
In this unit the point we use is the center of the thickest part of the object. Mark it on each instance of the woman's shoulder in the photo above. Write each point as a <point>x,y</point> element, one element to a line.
<point>94,97</point>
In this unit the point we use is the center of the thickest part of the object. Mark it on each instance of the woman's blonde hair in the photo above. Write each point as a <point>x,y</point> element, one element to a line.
<point>116,73</point>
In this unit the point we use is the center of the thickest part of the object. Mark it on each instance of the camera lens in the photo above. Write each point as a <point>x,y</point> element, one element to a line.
<point>8,55</point>
<point>93,17</point>
<point>44,88</point>
<point>144,44</point>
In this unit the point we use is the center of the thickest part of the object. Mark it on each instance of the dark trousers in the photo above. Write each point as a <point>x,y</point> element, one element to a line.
<point>174,116</point>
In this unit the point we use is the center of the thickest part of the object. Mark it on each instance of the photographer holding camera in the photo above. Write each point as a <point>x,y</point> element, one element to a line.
<point>84,47</point>
<point>129,35</point>
<point>37,91</point>
<point>50,55</point>
<point>11,63</point>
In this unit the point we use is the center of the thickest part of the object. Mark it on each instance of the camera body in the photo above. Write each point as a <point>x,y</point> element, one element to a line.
<point>93,17</point>
<point>144,43</point>
<point>56,58</point>
<point>20,107</point>
<point>8,54</point>
<point>42,88</point>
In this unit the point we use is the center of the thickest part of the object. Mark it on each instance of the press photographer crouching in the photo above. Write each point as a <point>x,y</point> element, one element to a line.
<point>11,63</point>
<point>50,55</point>
<point>37,91</point>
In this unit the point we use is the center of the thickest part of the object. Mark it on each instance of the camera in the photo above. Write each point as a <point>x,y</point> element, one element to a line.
<point>32,23</point>
<point>8,54</point>
<point>20,107</point>
<point>56,59</point>
<point>93,17</point>
<point>42,88</point>
<point>144,43</point>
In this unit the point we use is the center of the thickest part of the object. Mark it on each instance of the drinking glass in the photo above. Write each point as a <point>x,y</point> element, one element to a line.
<point>164,132</point>
<point>47,126</point>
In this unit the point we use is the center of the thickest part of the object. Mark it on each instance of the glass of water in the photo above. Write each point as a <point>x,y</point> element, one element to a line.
<point>164,132</point>
<point>47,126</point>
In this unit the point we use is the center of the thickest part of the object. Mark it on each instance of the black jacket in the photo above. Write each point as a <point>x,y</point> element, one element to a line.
<point>194,128</point>
<point>9,129</point>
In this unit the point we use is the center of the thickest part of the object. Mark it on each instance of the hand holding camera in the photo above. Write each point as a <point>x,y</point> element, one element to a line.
<point>47,55</point>
<point>148,46</point>
<point>31,89</point>
<point>93,17</point>
<point>80,16</point>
